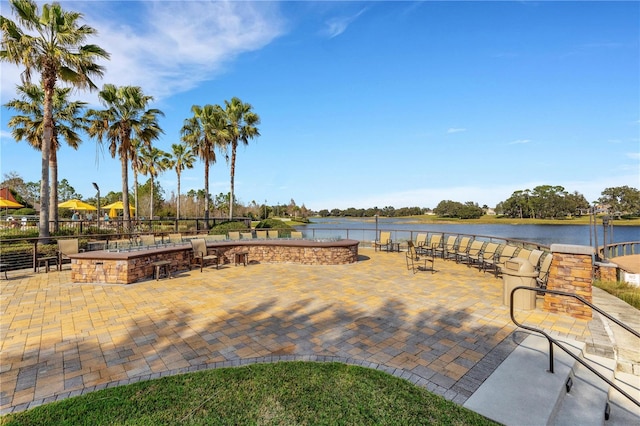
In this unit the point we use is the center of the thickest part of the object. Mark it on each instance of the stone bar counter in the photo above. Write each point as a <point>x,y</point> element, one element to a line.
<point>127,266</point>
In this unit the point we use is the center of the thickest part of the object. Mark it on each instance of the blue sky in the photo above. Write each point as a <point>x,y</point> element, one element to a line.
<point>369,104</point>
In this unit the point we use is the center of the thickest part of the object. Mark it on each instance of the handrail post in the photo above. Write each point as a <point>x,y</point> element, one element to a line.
<point>550,356</point>
<point>35,254</point>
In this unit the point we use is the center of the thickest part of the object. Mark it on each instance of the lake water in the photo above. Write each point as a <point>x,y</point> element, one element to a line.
<point>402,228</point>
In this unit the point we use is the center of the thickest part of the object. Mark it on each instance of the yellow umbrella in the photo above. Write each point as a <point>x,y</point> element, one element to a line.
<point>9,204</point>
<point>118,205</point>
<point>76,205</point>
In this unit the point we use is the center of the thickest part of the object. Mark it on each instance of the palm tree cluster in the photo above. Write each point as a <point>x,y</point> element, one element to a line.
<point>50,42</point>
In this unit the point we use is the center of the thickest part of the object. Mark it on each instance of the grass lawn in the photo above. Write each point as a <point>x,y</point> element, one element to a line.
<point>301,393</point>
<point>622,290</point>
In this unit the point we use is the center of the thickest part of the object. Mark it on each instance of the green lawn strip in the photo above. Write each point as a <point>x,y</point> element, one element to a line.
<point>302,393</point>
<point>622,290</point>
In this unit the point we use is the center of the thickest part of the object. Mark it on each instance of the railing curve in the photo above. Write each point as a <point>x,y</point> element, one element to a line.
<point>553,341</point>
<point>619,249</point>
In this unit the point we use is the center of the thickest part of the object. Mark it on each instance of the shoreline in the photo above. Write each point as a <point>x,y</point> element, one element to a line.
<point>488,220</point>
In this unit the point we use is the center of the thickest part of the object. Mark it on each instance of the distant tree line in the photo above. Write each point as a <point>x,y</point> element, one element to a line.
<point>542,202</point>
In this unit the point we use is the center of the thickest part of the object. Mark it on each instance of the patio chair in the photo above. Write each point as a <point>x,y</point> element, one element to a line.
<point>147,240</point>
<point>66,248</point>
<point>488,252</point>
<point>202,254</point>
<point>215,237</point>
<point>175,238</point>
<point>524,254</point>
<point>418,262</point>
<point>507,253</point>
<point>296,235</point>
<point>234,235</point>
<point>450,247</point>
<point>473,254</point>
<point>261,234</point>
<point>462,248</point>
<point>272,233</point>
<point>246,235</point>
<point>490,263</point>
<point>421,240</point>
<point>543,273</point>
<point>383,241</point>
<point>435,247</point>
<point>535,257</point>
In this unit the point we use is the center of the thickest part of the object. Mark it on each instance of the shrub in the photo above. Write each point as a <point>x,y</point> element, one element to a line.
<point>284,230</point>
<point>273,224</point>
<point>225,227</point>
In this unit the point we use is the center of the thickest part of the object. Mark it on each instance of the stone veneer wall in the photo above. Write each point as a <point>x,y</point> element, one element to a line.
<point>571,271</point>
<point>292,254</point>
<point>85,269</point>
<point>125,271</point>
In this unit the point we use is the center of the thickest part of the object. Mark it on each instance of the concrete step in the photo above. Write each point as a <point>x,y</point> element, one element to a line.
<point>623,411</point>
<point>521,390</point>
<point>585,403</point>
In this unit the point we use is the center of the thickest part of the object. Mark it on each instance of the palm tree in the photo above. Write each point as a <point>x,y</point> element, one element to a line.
<point>55,51</point>
<point>203,133</point>
<point>136,164</point>
<point>124,119</point>
<point>241,126</point>
<point>29,126</point>
<point>183,158</point>
<point>153,161</point>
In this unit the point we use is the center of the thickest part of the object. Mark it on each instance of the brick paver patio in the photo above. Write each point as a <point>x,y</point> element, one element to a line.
<point>445,331</point>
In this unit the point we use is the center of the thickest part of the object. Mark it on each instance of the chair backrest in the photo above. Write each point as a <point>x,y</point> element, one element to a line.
<point>147,240</point>
<point>507,252</point>
<point>175,238</point>
<point>489,250</point>
<point>535,256</point>
<point>543,274</point>
<point>272,233</point>
<point>199,247</point>
<point>524,254</point>
<point>385,237</point>
<point>215,237</point>
<point>450,245</point>
<point>296,234</point>
<point>246,235</point>
<point>463,246</point>
<point>436,240</point>
<point>411,250</point>
<point>261,234</point>
<point>67,247</point>
<point>234,235</point>
<point>421,240</point>
<point>476,247</point>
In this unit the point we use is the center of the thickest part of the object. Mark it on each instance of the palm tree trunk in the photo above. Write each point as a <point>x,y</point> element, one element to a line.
<point>178,203</point>
<point>126,215</point>
<point>206,194</point>
<point>151,198</point>
<point>135,191</point>
<point>234,145</point>
<point>53,196</point>
<point>49,80</point>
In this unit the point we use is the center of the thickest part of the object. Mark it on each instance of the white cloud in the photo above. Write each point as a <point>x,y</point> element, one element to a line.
<point>633,155</point>
<point>176,46</point>
<point>5,135</point>
<point>456,129</point>
<point>336,26</point>
<point>519,142</point>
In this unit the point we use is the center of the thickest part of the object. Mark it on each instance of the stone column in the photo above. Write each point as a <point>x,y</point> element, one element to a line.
<point>571,271</point>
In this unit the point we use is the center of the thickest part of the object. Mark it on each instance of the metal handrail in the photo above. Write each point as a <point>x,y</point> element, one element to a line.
<point>619,249</point>
<point>553,341</point>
